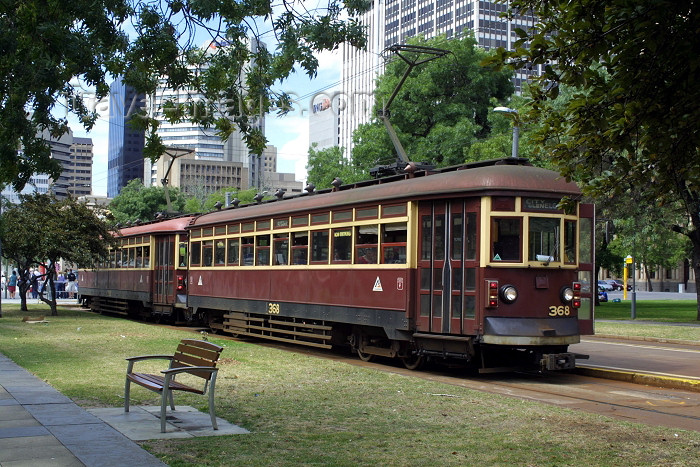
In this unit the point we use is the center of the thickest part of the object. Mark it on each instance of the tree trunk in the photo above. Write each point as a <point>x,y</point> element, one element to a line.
<point>650,288</point>
<point>696,269</point>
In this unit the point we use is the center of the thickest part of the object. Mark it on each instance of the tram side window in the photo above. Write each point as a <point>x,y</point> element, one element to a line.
<point>394,243</point>
<point>342,245</point>
<point>247,250</point>
<point>113,259</point>
<point>505,238</point>
<point>366,239</point>
<point>146,256</point>
<point>207,252</point>
<point>570,242</point>
<point>182,253</point>
<point>280,255</point>
<point>262,250</point>
<point>220,252</point>
<point>545,235</point>
<point>232,259</point>
<point>300,247</point>
<point>196,254</point>
<point>139,256</point>
<point>319,246</point>
<point>132,257</point>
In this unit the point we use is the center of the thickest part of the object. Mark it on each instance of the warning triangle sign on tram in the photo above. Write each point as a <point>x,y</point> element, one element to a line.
<point>497,257</point>
<point>377,286</point>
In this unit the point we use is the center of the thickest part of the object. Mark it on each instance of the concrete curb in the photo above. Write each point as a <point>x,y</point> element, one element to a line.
<point>670,382</point>
<point>643,339</point>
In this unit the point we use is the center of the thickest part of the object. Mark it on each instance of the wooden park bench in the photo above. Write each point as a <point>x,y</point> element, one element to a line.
<point>193,357</point>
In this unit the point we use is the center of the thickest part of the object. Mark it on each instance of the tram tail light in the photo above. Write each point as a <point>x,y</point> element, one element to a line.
<point>181,283</point>
<point>491,294</point>
<point>576,302</point>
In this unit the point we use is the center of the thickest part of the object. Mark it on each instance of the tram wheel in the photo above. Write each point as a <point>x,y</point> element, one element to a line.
<point>413,362</point>
<point>365,357</point>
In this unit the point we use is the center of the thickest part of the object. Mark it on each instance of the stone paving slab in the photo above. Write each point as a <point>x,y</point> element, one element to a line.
<point>142,423</point>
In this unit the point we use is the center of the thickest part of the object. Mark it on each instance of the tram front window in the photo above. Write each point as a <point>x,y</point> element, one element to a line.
<point>505,238</point>
<point>545,235</point>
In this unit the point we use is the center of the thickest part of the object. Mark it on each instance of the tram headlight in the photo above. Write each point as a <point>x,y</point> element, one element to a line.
<point>509,293</point>
<point>567,294</point>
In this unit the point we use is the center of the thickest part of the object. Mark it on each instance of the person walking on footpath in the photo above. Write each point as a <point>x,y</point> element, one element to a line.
<point>71,285</point>
<point>12,284</point>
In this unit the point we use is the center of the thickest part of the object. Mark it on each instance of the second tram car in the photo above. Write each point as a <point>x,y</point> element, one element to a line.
<point>478,263</point>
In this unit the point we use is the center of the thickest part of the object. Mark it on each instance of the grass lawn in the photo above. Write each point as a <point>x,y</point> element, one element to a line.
<point>671,311</point>
<point>661,311</point>
<point>306,410</point>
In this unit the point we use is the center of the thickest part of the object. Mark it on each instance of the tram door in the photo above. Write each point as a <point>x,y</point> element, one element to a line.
<point>447,266</point>
<point>163,280</point>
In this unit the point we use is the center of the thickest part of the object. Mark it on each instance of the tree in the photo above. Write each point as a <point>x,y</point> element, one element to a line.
<point>631,125</point>
<point>42,230</point>
<point>136,202</point>
<point>325,165</point>
<point>441,109</point>
<point>243,196</point>
<point>48,48</point>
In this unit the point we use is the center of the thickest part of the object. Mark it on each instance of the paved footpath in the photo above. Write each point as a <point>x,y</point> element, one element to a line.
<point>41,427</point>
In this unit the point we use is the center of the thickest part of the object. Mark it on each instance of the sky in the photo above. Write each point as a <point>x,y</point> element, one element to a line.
<point>290,134</point>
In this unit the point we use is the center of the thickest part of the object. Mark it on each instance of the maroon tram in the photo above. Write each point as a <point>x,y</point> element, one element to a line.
<point>477,262</point>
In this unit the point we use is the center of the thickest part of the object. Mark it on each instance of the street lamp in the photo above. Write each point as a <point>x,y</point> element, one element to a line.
<point>513,115</point>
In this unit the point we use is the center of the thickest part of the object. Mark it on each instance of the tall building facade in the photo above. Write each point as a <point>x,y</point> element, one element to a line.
<point>392,22</point>
<point>79,171</point>
<point>203,141</point>
<point>75,155</point>
<point>125,144</point>
<point>324,120</point>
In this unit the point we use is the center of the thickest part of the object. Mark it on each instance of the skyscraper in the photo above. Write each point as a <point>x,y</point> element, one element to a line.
<point>392,22</point>
<point>125,151</point>
<point>204,141</point>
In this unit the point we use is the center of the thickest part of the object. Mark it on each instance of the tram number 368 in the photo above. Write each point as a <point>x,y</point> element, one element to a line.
<point>559,310</point>
<point>273,308</point>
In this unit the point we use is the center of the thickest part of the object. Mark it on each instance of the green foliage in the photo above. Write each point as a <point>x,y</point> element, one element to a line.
<point>46,48</point>
<point>440,111</point>
<point>143,203</point>
<point>42,230</point>
<point>630,126</point>
<point>326,164</point>
<point>244,196</point>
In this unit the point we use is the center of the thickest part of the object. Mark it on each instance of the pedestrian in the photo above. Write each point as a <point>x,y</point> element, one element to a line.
<point>3,284</point>
<point>35,283</point>
<point>61,285</point>
<point>12,284</point>
<point>71,284</point>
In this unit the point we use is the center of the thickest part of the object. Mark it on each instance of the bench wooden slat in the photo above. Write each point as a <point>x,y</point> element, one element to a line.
<point>156,383</point>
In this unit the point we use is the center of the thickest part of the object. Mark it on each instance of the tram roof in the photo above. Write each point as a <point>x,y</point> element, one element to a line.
<point>492,179</point>
<point>175,225</point>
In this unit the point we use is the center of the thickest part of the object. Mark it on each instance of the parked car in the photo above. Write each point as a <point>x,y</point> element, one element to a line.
<point>605,286</point>
<point>617,284</point>
<point>602,295</point>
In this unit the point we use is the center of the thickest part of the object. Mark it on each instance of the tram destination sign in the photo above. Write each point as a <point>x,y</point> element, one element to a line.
<point>541,204</point>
